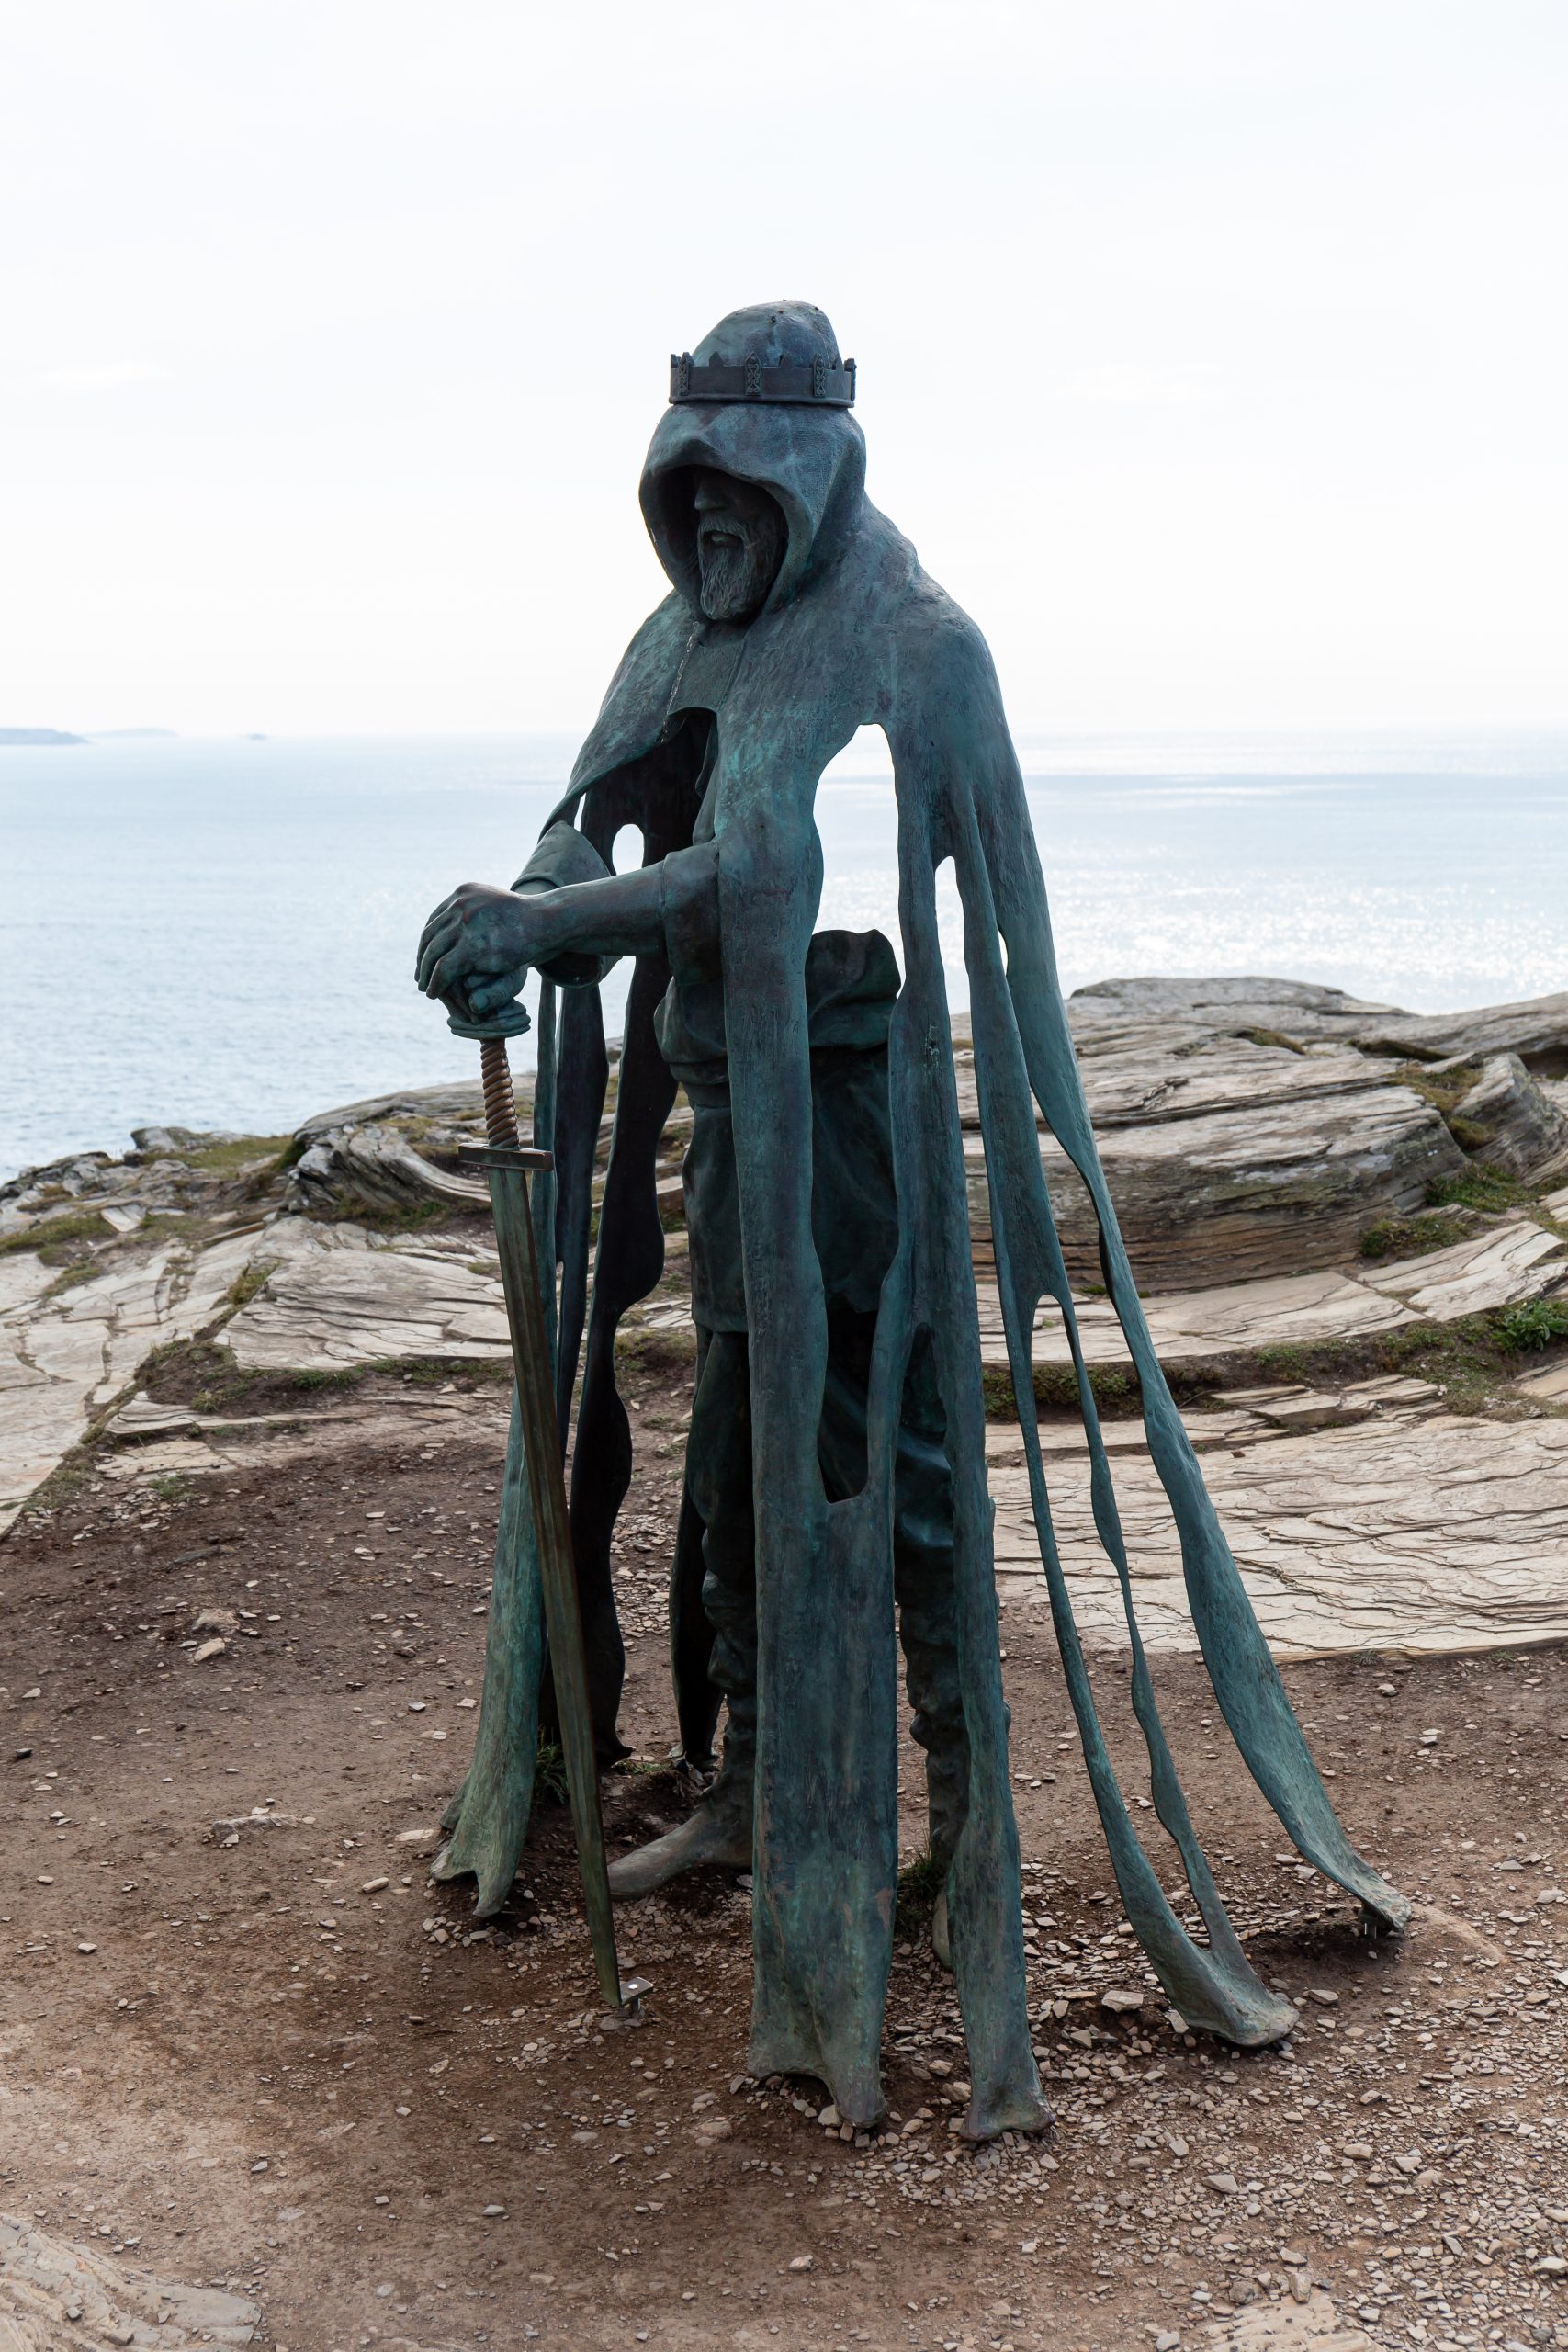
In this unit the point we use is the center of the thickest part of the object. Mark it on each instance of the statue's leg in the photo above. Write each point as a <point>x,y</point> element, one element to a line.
<point>699,1699</point>
<point>922,1579</point>
<point>718,1481</point>
<point>922,1564</point>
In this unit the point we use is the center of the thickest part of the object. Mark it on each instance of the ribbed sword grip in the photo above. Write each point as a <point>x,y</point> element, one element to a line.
<point>500,1106</point>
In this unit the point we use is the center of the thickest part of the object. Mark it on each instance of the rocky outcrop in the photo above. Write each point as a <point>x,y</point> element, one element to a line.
<point>1247,1126</point>
<point>1510,1120</point>
<point>1508,1261</point>
<point>1537,1031</point>
<point>374,1168</point>
<point>1250,1126</point>
<point>1292,1179</point>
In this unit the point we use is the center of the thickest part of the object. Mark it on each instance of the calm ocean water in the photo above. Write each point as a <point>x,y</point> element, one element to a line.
<point>222,934</point>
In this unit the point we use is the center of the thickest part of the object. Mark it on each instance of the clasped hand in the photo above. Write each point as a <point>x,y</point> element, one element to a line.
<point>475,951</point>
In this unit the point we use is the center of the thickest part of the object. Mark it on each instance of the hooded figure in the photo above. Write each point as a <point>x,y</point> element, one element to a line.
<point>836,1474</point>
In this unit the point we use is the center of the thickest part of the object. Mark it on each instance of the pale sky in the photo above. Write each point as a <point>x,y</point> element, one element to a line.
<point>1213,353</point>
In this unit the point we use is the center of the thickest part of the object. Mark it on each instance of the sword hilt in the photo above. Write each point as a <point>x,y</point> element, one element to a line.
<point>501,1103</point>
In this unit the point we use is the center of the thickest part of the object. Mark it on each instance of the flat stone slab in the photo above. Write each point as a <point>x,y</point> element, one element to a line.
<point>155,1445</point>
<point>1500,1267</point>
<point>1311,2326</point>
<point>332,1296</point>
<point>54,2294</point>
<point>64,1360</point>
<point>1411,1531</point>
<point>341,1296</point>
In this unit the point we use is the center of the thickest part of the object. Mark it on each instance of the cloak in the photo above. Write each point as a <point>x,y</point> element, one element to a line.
<point>854,634</point>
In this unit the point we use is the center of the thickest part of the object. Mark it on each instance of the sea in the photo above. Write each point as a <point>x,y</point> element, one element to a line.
<point>222,934</point>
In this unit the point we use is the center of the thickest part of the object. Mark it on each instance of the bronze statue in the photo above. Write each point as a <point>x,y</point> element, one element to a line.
<point>835,1493</point>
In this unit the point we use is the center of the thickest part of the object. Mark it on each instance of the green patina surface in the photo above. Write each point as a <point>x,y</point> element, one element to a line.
<point>836,1462</point>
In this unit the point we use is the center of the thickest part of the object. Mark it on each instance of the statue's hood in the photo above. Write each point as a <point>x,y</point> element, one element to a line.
<point>812,460</point>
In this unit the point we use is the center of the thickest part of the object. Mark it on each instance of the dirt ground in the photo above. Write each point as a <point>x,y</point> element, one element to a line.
<point>279,2058</point>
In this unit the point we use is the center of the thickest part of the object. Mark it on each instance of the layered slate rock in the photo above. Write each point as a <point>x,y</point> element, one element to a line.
<point>1252,1128</point>
<point>1404,1530</point>
<point>53,2293</point>
<point>1249,1126</point>
<point>338,1296</point>
<point>373,1167</point>
<point>64,1359</point>
<point>1511,1119</point>
<point>1504,1265</point>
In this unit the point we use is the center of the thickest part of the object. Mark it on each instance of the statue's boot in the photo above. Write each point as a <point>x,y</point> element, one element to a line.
<point>717,1833</point>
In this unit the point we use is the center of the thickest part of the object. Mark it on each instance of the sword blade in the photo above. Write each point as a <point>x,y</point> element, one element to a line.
<point>563,1619</point>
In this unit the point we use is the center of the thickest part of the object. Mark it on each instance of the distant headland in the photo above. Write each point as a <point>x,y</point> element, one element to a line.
<point>31,737</point>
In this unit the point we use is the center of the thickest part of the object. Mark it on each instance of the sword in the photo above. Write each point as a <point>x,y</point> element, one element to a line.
<point>507,1163</point>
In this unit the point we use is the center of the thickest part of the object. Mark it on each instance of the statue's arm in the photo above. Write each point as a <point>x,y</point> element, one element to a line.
<point>480,941</point>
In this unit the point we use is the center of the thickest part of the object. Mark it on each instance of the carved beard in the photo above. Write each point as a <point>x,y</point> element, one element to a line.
<point>739,563</point>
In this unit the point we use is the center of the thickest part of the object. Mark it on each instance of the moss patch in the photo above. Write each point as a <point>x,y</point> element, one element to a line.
<point>1413,1236</point>
<point>1481,1187</point>
<point>53,1236</point>
<point>646,1350</point>
<point>430,1371</point>
<point>246,1283</point>
<point>234,1158</point>
<point>1443,1089</point>
<point>1474,1361</point>
<point>1114,1388</point>
<point>203,1374</point>
<point>79,1271</point>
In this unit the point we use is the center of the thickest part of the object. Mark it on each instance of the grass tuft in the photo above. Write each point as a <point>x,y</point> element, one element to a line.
<point>54,1234</point>
<point>1443,1089</point>
<point>1533,1325</point>
<point>1481,1187</point>
<point>549,1770</point>
<point>247,1283</point>
<point>80,1269</point>
<point>1412,1236</point>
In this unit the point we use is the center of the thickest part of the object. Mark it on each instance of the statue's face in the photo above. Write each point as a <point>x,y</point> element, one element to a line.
<point>740,545</point>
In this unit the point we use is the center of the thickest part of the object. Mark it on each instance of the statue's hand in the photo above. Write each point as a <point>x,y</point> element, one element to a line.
<point>476,947</point>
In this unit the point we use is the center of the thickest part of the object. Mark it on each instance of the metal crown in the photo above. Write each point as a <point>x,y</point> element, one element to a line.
<point>792,383</point>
